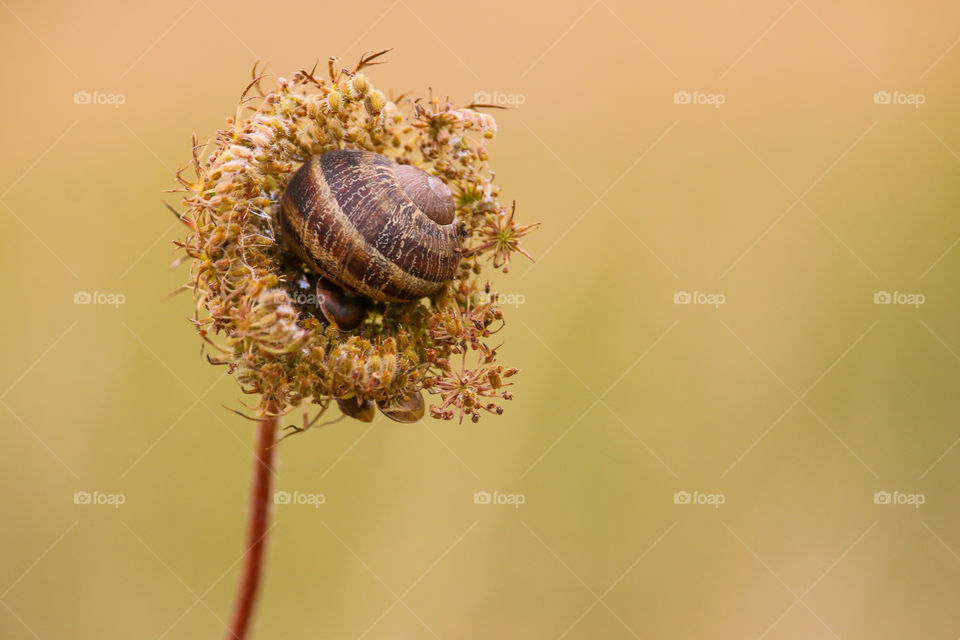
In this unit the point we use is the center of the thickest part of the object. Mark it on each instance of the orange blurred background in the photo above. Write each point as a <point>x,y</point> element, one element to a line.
<point>784,168</point>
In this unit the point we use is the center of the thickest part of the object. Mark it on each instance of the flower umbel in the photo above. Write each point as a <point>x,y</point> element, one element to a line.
<point>253,297</point>
<point>498,237</point>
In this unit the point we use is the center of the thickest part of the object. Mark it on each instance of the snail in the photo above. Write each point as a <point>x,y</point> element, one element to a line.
<point>371,229</point>
<point>409,409</point>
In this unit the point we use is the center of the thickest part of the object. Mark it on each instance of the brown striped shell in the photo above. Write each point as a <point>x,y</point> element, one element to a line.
<point>382,230</point>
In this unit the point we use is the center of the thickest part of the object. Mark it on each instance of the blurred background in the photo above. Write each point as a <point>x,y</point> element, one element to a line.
<point>740,347</point>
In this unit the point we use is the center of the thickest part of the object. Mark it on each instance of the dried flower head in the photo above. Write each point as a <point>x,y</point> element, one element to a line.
<point>253,297</point>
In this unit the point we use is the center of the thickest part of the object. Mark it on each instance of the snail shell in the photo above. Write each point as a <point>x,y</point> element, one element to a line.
<point>407,410</point>
<point>376,228</point>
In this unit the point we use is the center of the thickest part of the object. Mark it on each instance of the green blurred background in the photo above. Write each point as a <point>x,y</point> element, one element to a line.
<point>797,199</point>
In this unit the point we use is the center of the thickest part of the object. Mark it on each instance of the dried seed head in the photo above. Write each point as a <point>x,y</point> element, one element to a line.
<point>253,295</point>
<point>375,102</point>
<point>333,101</point>
<point>360,85</point>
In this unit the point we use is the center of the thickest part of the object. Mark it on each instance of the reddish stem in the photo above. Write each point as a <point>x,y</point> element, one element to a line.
<point>256,526</point>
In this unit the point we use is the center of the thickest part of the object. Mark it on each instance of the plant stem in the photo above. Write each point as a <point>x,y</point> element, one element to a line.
<point>256,525</point>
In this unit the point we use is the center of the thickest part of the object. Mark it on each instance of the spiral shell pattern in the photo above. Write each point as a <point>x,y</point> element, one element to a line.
<point>382,233</point>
